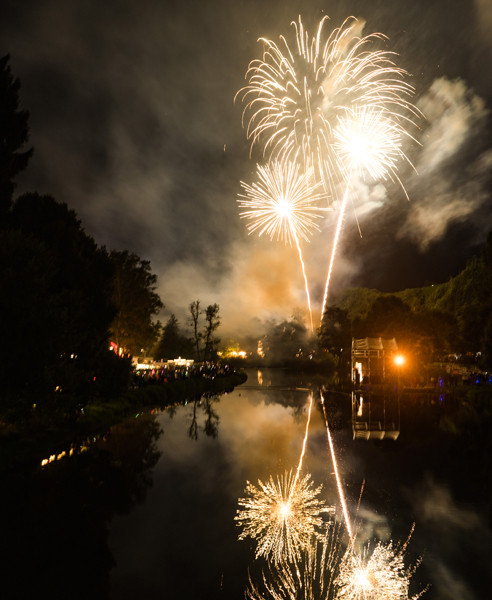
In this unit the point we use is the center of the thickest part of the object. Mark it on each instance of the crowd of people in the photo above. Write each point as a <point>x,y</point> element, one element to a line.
<point>156,374</point>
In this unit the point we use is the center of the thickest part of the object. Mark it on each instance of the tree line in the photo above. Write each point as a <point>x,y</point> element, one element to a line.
<point>64,298</point>
<point>442,322</point>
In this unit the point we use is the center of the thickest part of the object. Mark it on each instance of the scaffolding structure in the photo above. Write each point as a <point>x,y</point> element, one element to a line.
<point>369,358</point>
<point>376,411</point>
<point>375,417</point>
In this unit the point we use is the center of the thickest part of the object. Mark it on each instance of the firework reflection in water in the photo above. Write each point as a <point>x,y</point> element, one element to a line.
<point>283,515</point>
<point>311,578</point>
<point>323,574</point>
<point>377,575</point>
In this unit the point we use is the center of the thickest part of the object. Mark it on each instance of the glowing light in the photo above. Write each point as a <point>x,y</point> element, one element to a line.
<point>337,477</point>
<point>375,576</point>
<point>282,205</point>
<point>283,515</point>
<point>399,360</point>
<point>297,93</point>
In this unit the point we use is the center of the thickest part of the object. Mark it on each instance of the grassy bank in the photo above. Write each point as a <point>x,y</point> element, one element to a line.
<point>27,445</point>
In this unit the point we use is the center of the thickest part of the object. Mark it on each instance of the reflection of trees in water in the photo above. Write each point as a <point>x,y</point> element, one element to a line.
<point>54,540</point>
<point>211,425</point>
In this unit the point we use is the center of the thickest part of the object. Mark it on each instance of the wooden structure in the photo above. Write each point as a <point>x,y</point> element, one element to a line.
<point>375,417</point>
<point>370,357</point>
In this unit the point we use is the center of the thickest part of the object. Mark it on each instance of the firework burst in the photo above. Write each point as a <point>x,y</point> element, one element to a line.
<point>367,141</point>
<point>326,573</point>
<point>380,575</point>
<point>309,579</point>
<point>297,93</point>
<point>282,205</point>
<point>283,515</point>
<point>283,202</point>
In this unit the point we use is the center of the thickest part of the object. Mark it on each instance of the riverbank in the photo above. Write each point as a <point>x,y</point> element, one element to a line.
<point>33,445</point>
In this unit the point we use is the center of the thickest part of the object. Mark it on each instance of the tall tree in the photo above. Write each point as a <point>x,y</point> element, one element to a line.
<point>137,302</point>
<point>213,321</point>
<point>172,343</point>
<point>14,133</point>
<point>58,307</point>
<point>193,320</point>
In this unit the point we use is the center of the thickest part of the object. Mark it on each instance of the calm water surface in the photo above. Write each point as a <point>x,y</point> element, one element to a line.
<point>149,512</point>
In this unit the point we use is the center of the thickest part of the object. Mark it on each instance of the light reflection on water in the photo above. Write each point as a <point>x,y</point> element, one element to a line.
<point>184,538</point>
<point>175,496</point>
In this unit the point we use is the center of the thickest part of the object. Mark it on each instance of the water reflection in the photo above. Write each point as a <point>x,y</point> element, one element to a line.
<point>375,416</point>
<point>55,520</point>
<point>144,515</point>
<point>204,403</point>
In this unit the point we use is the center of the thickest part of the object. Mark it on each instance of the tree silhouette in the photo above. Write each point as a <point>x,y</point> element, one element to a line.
<point>213,322</point>
<point>172,343</point>
<point>137,302</point>
<point>193,321</point>
<point>14,133</point>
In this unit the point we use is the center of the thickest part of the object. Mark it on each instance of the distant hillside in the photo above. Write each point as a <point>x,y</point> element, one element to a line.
<point>467,298</point>
<point>358,301</point>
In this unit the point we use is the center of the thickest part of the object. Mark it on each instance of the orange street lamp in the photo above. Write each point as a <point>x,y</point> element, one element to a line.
<point>399,360</point>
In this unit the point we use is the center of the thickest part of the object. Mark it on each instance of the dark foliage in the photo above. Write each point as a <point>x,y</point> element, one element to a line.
<point>211,343</point>
<point>55,319</point>
<point>335,336</point>
<point>14,134</point>
<point>193,320</point>
<point>55,540</point>
<point>172,343</point>
<point>137,302</point>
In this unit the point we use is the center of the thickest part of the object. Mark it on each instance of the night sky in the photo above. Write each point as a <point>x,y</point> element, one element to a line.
<point>134,126</point>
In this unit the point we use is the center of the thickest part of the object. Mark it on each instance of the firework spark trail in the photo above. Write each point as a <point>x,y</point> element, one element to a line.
<point>299,467</point>
<point>336,107</point>
<point>310,579</point>
<point>329,575</point>
<point>366,141</point>
<point>305,283</point>
<point>282,204</point>
<point>333,252</point>
<point>337,477</point>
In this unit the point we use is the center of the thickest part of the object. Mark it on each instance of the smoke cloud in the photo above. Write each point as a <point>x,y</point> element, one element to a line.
<point>134,126</point>
<point>453,167</point>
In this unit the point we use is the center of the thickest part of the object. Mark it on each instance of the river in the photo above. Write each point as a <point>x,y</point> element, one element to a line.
<point>148,511</point>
